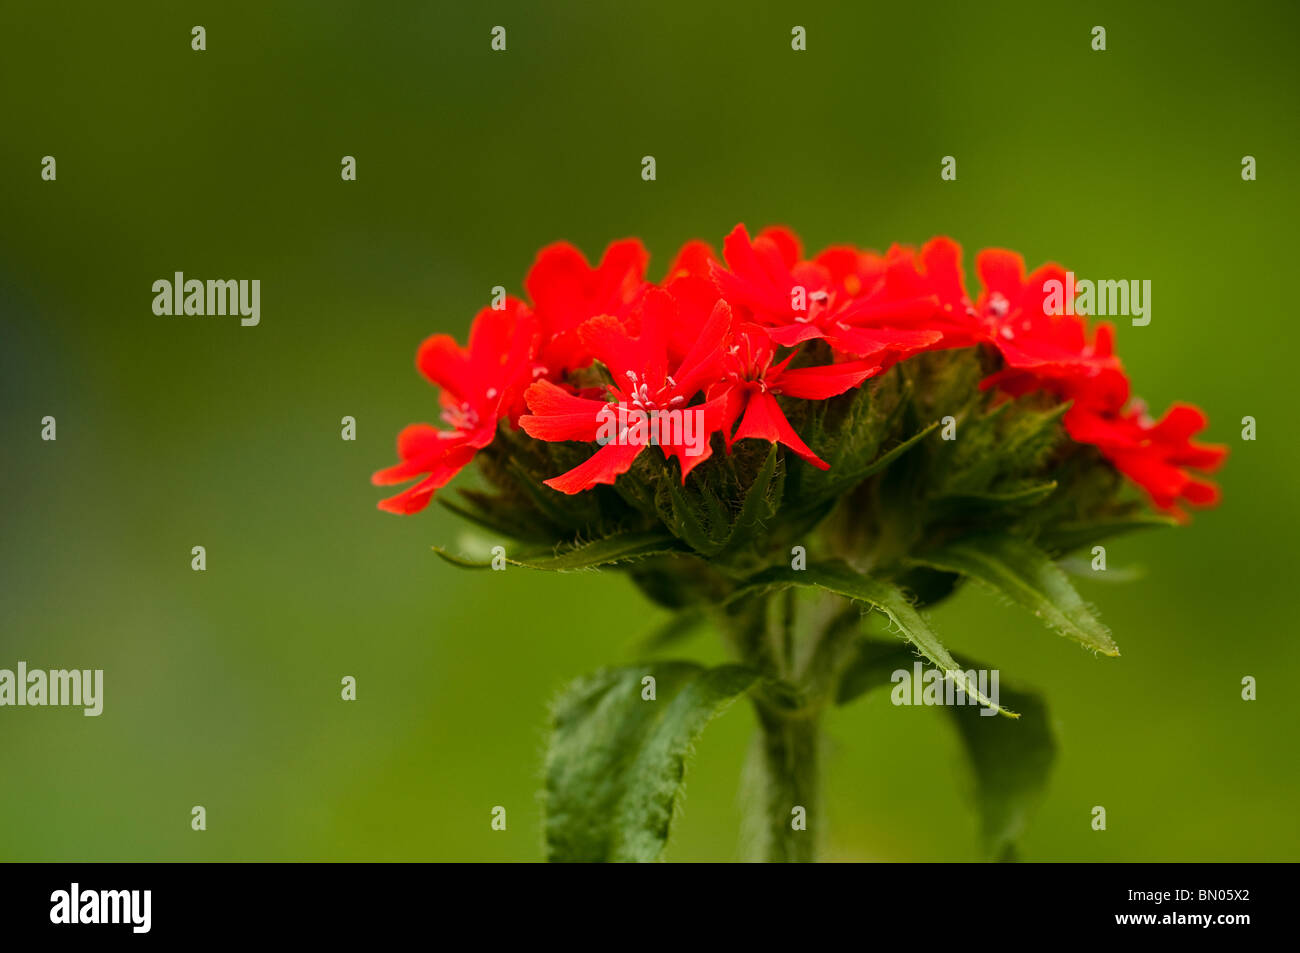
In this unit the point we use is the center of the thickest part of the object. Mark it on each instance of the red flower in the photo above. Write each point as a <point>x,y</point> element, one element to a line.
<point>853,272</point>
<point>768,285</point>
<point>695,260</point>
<point>935,271</point>
<point>641,383</point>
<point>480,385</point>
<point>1044,349</point>
<point>753,381</point>
<point>838,297</point>
<point>1156,456</point>
<point>566,291</point>
<point>690,283</point>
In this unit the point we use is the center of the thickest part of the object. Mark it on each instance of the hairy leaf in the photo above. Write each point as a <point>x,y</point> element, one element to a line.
<point>1068,537</point>
<point>615,767</point>
<point>993,501</point>
<point>605,551</point>
<point>1027,576</point>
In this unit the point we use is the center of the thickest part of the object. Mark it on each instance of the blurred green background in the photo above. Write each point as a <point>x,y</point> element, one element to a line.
<point>222,687</point>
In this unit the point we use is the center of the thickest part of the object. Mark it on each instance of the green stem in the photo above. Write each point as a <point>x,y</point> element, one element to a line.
<point>788,761</point>
<point>783,767</point>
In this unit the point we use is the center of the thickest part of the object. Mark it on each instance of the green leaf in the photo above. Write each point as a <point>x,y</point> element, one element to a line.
<point>1011,760</point>
<point>606,551</point>
<point>461,562</point>
<point>1082,569</point>
<point>842,580</point>
<point>615,767</point>
<point>964,504</point>
<point>1027,576</point>
<point>1071,536</point>
<point>927,586</point>
<point>872,664</point>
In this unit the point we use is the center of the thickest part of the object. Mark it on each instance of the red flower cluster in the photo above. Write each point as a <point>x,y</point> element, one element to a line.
<point>717,337</point>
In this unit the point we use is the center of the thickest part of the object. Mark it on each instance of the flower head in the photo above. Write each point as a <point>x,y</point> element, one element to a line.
<point>735,343</point>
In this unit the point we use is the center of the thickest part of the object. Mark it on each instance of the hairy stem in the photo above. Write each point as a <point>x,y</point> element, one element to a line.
<point>787,762</point>
<point>782,774</point>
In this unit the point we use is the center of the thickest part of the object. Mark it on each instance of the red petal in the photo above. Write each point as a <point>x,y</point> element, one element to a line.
<point>556,278</point>
<point>792,335</point>
<point>759,277</point>
<point>704,360</point>
<point>620,274</point>
<point>566,291</point>
<point>606,465</point>
<point>560,415</point>
<point>877,311</point>
<point>1180,422</point>
<point>610,342</point>
<point>786,242</point>
<point>444,363</point>
<point>715,414</point>
<point>941,259</point>
<point>694,260</point>
<point>872,341</point>
<point>1001,272</point>
<point>419,447</point>
<point>417,497</point>
<point>765,421</point>
<point>819,383</point>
